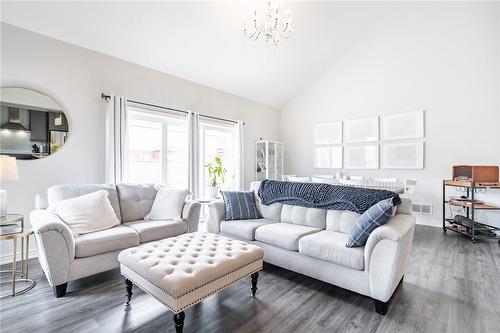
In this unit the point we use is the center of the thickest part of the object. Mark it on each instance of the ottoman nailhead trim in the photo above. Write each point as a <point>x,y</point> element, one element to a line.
<point>193,290</point>
<point>199,299</point>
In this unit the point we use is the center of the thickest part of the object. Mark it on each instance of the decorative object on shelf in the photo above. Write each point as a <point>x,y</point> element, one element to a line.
<point>216,173</point>
<point>403,155</point>
<point>33,125</point>
<point>361,130</point>
<point>274,23</point>
<point>328,133</point>
<point>268,160</point>
<point>476,173</point>
<point>8,172</point>
<point>361,157</point>
<point>407,125</point>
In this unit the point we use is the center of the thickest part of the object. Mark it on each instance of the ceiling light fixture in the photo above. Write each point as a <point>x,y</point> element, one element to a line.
<point>273,23</point>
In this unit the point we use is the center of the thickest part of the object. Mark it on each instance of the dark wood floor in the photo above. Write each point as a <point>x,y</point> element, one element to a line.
<point>452,285</point>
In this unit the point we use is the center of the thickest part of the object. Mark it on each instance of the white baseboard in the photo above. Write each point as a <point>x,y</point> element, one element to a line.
<point>428,220</point>
<point>6,258</point>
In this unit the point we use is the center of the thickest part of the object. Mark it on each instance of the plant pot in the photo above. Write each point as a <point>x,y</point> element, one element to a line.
<point>213,192</point>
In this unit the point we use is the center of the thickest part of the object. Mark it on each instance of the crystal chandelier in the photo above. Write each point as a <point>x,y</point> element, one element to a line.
<point>273,23</point>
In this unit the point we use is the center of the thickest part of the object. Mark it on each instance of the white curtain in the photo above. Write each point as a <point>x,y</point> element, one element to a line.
<point>194,151</point>
<point>116,139</point>
<point>239,177</point>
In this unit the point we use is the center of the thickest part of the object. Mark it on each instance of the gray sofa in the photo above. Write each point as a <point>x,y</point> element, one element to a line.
<point>64,257</point>
<point>312,242</point>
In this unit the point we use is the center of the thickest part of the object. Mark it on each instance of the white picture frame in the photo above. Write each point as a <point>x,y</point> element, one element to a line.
<point>361,157</point>
<point>361,130</point>
<point>328,133</point>
<point>403,155</point>
<point>406,125</point>
<point>328,157</point>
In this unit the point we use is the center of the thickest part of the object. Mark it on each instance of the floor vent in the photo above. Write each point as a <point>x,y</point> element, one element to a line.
<point>422,208</point>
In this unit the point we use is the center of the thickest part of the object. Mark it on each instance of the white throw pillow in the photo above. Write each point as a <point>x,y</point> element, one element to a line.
<point>168,204</point>
<point>87,213</point>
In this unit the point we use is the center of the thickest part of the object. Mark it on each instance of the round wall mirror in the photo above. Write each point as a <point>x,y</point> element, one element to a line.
<point>32,125</point>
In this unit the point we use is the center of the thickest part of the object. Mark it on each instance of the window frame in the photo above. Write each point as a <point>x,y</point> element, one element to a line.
<point>208,123</point>
<point>166,119</point>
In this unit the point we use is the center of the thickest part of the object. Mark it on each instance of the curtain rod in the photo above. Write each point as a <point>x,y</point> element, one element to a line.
<point>221,119</point>
<point>107,97</point>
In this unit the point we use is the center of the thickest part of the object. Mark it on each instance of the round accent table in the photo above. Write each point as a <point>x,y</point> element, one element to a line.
<point>12,229</point>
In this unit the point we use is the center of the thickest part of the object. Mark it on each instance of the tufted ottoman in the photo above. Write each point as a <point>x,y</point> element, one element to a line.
<point>181,271</point>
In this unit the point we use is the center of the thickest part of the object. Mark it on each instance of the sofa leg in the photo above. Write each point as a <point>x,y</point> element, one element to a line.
<point>60,290</point>
<point>381,307</point>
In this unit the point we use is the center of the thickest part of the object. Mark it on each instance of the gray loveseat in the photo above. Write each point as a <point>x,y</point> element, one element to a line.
<point>64,257</point>
<point>312,242</point>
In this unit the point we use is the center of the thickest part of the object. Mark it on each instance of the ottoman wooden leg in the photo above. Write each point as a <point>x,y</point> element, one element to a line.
<point>128,287</point>
<point>179,321</point>
<point>255,277</point>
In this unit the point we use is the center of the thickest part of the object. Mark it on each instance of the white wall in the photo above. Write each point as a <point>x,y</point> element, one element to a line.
<point>441,57</point>
<point>75,78</point>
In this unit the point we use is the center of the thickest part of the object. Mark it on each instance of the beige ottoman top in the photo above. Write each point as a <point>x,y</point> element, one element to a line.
<point>181,264</point>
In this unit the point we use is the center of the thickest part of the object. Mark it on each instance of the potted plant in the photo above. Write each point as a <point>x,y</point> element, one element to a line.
<point>216,173</point>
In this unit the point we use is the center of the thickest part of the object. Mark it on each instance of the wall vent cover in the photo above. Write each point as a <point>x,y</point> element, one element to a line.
<point>422,208</point>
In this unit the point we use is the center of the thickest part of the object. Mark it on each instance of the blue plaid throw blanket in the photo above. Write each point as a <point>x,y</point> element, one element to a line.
<point>316,195</point>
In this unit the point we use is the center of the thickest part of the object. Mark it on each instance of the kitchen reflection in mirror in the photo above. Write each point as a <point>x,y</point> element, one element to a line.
<point>32,125</point>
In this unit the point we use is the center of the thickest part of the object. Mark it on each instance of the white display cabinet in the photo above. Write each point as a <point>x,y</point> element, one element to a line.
<point>268,160</point>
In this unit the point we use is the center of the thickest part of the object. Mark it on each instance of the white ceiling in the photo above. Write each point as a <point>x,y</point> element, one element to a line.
<point>203,41</point>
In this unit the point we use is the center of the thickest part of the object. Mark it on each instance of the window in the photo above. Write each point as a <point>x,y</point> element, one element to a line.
<point>217,138</point>
<point>158,151</point>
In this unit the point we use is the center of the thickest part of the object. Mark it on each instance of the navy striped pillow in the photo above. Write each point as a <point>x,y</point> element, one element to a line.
<point>240,205</point>
<point>374,217</point>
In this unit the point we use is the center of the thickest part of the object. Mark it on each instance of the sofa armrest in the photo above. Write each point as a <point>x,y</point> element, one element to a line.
<point>387,254</point>
<point>217,213</point>
<point>191,214</point>
<point>56,245</point>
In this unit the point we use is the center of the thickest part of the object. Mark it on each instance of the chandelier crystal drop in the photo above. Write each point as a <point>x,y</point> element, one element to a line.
<point>274,23</point>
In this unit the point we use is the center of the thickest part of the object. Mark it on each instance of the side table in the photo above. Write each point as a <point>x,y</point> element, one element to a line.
<point>205,216</point>
<point>23,234</point>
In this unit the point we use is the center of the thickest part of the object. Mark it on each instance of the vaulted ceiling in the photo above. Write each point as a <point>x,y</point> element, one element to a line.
<point>203,41</point>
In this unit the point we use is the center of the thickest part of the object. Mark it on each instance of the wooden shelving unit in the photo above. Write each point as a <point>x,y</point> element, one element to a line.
<point>471,205</point>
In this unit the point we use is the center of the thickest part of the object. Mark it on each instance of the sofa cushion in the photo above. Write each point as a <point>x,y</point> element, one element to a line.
<point>341,220</point>
<point>240,205</point>
<point>311,217</point>
<point>272,211</point>
<point>168,204</point>
<point>243,228</point>
<point>87,213</point>
<point>374,217</point>
<point>136,200</point>
<point>159,229</point>
<point>330,246</point>
<point>68,191</point>
<point>114,239</point>
<point>284,235</point>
